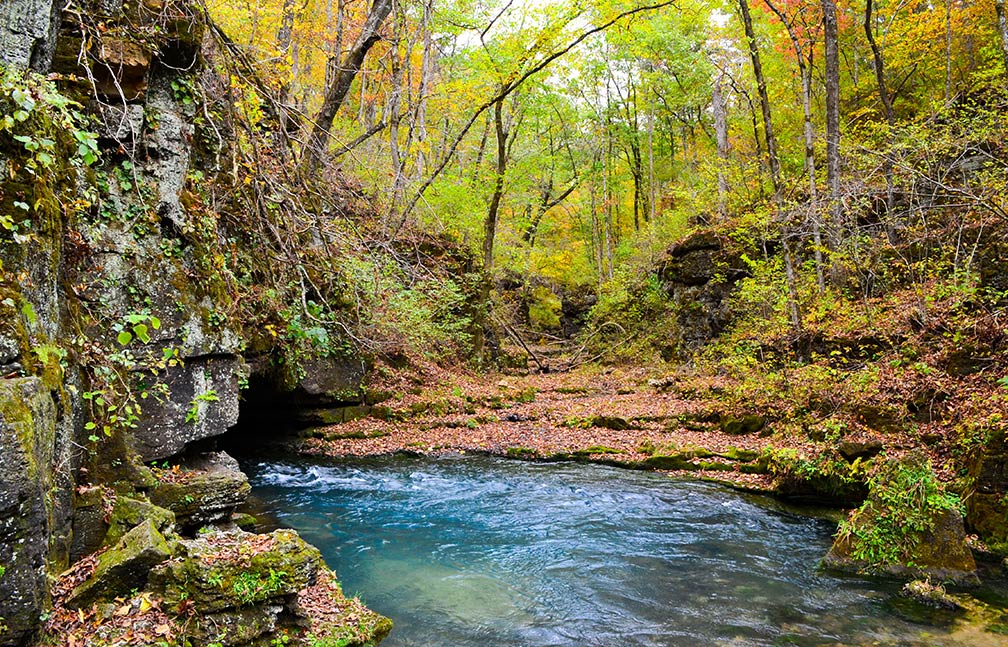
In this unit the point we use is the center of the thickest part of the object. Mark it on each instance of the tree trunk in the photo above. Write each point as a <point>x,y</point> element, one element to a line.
<point>339,86</point>
<point>392,117</point>
<point>771,142</point>
<point>948,51</point>
<point>761,88</point>
<point>869,28</point>
<point>805,72</point>
<point>832,73</point>
<point>426,72</point>
<point>890,115</point>
<point>1002,20</point>
<point>490,223</point>
<point>721,132</point>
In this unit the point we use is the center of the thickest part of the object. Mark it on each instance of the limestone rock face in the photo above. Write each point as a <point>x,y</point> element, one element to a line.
<point>699,274</point>
<point>202,402</point>
<point>332,380</point>
<point>28,32</point>
<point>124,566</point>
<point>27,440</point>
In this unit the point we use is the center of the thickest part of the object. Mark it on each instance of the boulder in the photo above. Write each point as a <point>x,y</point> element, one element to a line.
<point>235,570</point>
<point>234,626</point>
<point>930,595</point>
<point>206,490</point>
<point>908,527</point>
<point>123,567</point>
<point>331,381</point>
<point>128,513</point>
<point>610,422</point>
<point>27,440</point>
<point>747,424</point>
<point>853,450</point>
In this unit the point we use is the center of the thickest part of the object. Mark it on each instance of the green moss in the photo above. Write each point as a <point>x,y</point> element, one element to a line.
<point>525,453</point>
<point>741,455</point>
<point>544,309</point>
<point>662,462</point>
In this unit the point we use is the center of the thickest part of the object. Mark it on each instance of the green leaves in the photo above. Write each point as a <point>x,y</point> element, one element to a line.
<point>46,124</point>
<point>136,326</point>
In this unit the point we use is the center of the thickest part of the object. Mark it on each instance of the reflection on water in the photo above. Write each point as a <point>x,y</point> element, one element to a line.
<point>478,551</point>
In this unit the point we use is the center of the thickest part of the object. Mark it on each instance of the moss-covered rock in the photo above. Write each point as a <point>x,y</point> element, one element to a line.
<point>236,569</point>
<point>615,423</point>
<point>206,490</point>
<point>987,505</point>
<point>124,566</point>
<point>27,439</point>
<point>235,626</point>
<point>747,424</point>
<point>335,619</point>
<point>128,513</point>
<point>908,527</point>
<point>824,477</point>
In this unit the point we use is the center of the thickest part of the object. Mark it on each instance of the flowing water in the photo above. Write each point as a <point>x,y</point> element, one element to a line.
<point>473,551</point>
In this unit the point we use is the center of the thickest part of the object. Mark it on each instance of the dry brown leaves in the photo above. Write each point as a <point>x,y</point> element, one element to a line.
<point>487,415</point>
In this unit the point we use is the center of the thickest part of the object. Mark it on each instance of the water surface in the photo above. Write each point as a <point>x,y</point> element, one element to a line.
<point>479,551</point>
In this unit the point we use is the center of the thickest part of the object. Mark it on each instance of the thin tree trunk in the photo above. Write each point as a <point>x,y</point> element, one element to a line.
<point>771,142</point>
<point>948,51</point>
<point>805,72</point>
<point>426,72</point>
<point>490,223</point>
<point>869,28</point>
<point>721,131</point>
<point>761,88</point>
<point>1002,20</point>
<point>651,175</point>
<point>832,73</point>
<point>392,118</point>
<point>890,115</point>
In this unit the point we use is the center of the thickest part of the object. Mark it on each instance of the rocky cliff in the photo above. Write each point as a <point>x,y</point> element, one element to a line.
<point>146,262</point>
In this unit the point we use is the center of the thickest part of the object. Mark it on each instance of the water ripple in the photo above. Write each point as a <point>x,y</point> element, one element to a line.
<point>479,551</point>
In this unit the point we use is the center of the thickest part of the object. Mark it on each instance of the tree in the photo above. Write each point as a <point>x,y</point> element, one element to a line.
<point>774,160</point>
<point>832,74</point>
<point>1002,27</point>
<point>808,130</point>
<point>339,85</point>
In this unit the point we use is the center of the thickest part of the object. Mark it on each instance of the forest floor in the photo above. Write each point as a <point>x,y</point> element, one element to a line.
<point>634,417</point>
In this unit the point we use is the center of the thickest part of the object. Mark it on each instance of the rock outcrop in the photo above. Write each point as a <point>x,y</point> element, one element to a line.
<point>699,274</point>
<point>908,528</point>
<point>205,490</point>
<point>122,330</point>
<point>987,505</point>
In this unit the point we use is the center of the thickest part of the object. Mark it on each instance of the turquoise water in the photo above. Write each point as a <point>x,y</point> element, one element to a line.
<point>474,551</point>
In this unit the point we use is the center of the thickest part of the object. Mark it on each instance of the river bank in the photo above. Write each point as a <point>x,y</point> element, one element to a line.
<point>624,416</point>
